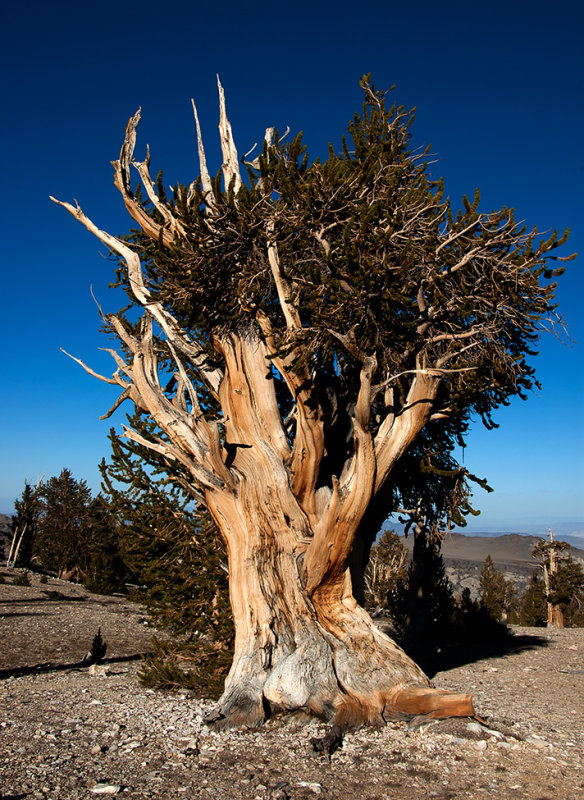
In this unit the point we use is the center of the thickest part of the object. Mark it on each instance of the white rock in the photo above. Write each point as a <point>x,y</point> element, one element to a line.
<point>539,743</point>
<point>106,788</point>
<point>99,670</point>
<point>315,787</point>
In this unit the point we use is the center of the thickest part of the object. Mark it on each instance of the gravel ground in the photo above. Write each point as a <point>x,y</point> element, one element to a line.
<point>77,733</point>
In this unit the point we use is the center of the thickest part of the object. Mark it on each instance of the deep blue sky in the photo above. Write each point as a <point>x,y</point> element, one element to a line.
<point>499,91</point>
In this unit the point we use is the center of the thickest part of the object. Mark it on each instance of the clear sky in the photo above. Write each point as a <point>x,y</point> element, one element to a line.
<point>499,88</point>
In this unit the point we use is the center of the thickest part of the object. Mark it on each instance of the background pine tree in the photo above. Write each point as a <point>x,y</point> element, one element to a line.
<point>497,593</point>
<point>175,553</point>
<point>567,590</point>
<point>533,610</point>
<point>28,508</point>
<point>70,533</point>
<point>386,573</point>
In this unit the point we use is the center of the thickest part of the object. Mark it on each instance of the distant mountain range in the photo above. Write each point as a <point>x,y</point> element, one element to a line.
<point>571,532</point>
<point>464,557</point>
<point>503,548</point>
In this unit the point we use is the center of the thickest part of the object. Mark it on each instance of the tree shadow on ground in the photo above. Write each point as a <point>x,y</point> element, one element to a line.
<point>440,657</point>
<point>451,655</point>
<point>24,614</point>
<point>27,601</point>
<point>75,666</point>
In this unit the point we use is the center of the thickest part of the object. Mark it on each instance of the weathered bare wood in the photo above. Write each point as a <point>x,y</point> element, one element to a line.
<point>122,182</point>
<point>205,177</point>
<point>17,537</point>
<point>230,164</point>
<point>173,225</point>
<point>173,332</point>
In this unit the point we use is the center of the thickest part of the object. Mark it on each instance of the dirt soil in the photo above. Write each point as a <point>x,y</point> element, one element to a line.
<point>77,732</point>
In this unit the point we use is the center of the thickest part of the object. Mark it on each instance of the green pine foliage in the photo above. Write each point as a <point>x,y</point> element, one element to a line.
<point>25,522</point>
<point>69,532</point>
<point>419,600</point>
<point>430,601</point>
<point>497,594</point>
<point>175,554</point>
<point>60,541</point>
<point>567,590</point>
<point>533,609</point>
<point>566,579</point>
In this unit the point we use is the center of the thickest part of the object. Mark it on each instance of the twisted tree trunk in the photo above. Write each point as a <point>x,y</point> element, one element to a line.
<point>292,650</point>
<point>302,641</point>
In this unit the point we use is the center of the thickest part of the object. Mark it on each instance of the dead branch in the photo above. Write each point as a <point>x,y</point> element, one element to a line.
<point>211,376</point>
<point>230,164</point>
<point>205,177</point>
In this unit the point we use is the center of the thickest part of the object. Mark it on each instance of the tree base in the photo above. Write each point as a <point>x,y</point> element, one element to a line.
<point>247,704</point>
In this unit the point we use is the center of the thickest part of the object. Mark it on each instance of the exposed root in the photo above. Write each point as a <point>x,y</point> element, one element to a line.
<point>433,703</point>
<point>329,743</point>
<point>238,711</point>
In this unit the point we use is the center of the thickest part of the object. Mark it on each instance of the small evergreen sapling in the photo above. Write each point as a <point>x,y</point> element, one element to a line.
<point>23,579</point>
<point>174,553</point>
<point>97,650</point>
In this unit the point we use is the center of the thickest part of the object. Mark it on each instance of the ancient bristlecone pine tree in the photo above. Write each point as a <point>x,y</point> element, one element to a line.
<point>300,329</point>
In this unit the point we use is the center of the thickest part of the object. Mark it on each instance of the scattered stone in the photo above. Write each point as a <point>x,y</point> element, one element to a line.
<point>317,788</point>
<point>538,742</point>
<point>56,735</point>
<point>191,747</point>
<point>99,670</point>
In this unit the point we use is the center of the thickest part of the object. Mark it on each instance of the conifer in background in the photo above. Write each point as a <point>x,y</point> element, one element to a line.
<point>497,593</point>
<point>533,610</point>
<point>61,536</point>
<point>174,553</point>
<point>386,572</point>
<point>68,532</point>
<point>567,591</point>
<point>563,581</point>
<point>24,524</point>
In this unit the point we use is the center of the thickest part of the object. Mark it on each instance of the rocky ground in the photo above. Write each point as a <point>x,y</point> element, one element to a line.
<point>78,732</point>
